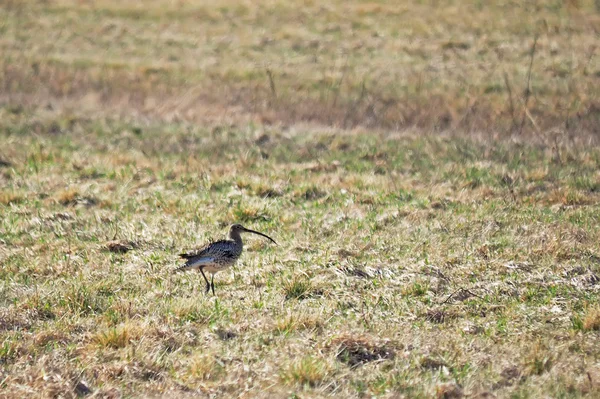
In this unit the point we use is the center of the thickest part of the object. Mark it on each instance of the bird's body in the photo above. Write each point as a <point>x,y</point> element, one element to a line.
<point>214,257</point>
<point>218,255</point>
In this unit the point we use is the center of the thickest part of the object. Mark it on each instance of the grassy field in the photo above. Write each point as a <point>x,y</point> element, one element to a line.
<point>438,227</point>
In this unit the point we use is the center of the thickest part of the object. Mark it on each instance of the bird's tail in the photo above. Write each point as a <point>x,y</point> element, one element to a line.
<point>193,264</point>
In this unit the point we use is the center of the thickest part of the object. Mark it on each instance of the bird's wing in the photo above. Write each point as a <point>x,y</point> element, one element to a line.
<point>203,251</point>
<point>193,254</point>
<point>217,249</point>
<point>223,249</point>
<point>207,255</point>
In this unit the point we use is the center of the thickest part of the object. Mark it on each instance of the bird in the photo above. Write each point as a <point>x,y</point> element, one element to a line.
<point>218,255</point>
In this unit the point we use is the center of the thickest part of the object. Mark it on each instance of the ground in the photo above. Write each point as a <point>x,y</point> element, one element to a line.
<point>437,222</point>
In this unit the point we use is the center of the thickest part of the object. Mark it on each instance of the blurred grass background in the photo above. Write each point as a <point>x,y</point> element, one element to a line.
<point>442,65</point>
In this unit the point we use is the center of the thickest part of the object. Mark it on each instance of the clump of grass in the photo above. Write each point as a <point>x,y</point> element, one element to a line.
<point>577,323</point>
<point>591,320</point>
<point>117,337</point>
<point>68,196</point>
<point>297,288</point>
<point>43,307</point>
<point>417,288</point>
<point>119,311</point>
<point>10,348</point>
<point>206,367</point>
<point>568,197</point>
<point>539,360</point>
<point>308,371</point>
<point>11,197</point>
<point>476,177</point>
<point>83,300</point>
<point>298,322</point>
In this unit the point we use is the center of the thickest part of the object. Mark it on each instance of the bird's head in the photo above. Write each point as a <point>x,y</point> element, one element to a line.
<point>237,228</point>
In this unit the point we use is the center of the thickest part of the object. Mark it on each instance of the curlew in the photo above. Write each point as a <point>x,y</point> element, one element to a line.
<point>218,255</point>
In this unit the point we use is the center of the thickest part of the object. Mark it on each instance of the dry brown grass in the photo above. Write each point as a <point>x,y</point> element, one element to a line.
<point>591,319</point>
<point>7,198</point>
<point>118,337</point>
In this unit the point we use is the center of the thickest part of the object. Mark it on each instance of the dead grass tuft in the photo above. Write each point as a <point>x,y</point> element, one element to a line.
<point>207,367</point>
<point>7,198</point>
<point>298,322</point>
<point>307,371</point>
<point>538,361</point>
<point>118,337</point>
<point>591,320</point>
<point>68,197</point>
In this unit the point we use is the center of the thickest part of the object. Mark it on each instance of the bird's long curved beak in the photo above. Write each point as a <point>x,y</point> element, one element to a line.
<point>260,234</point>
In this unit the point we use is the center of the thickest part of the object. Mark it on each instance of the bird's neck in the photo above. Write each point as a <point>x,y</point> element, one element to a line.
<point>235,236</point>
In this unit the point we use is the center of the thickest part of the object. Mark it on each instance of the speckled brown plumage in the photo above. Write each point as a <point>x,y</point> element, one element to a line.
<point>218,255</point>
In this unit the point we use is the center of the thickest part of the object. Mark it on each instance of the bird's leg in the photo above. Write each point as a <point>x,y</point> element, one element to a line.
<point>212,283</point>
<point>205,279</point>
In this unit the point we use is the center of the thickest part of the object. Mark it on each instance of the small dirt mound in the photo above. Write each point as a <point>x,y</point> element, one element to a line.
<point>120,246</point>
<point>225,335</point>
<point>358,351</point>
